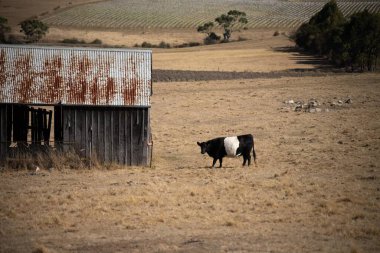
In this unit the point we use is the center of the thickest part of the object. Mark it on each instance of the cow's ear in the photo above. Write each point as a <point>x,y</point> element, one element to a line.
<point>199,144</point>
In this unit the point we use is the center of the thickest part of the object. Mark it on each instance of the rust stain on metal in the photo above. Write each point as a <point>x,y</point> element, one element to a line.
<point>130,89</point>
<point>2,72</point>
<point>23,66</point>
<point>54,80</point>
<point>102,87</point>
<point>94,90</point>
<point>86,76</point>
<point>77,90</point>
<point>110,89</point>
<point>84,64</point>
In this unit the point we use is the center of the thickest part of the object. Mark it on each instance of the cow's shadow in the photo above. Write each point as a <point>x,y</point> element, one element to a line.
<point>206,167</point>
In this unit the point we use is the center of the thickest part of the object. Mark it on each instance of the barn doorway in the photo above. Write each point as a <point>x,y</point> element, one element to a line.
<point>28,130</point>
<point>31,125</point>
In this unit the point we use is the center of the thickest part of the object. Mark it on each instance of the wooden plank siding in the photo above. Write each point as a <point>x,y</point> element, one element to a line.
<point>3,132</point>
<point>111,134</point>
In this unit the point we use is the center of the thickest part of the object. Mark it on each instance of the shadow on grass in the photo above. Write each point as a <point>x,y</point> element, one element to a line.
<point>203,167</point>
<point>300,56</point>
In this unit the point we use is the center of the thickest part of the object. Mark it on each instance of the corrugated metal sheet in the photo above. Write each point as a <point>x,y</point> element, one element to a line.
<point>75,76</point>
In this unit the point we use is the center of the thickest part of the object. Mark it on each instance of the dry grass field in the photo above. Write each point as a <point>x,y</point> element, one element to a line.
<point>316,187</point>
<point>261,52</point>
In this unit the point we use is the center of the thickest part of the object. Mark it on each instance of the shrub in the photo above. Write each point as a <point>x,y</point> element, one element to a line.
<point>146,44</point>
<point>276,33</point>
<point>73,41</point>
<point>96,42</point>
<point>163,44</point>
<point>213,38</point>
<point>194,44</point>
<point>190,44</point>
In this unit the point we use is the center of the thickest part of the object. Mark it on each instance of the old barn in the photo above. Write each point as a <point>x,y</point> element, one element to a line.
<point>93,101</point>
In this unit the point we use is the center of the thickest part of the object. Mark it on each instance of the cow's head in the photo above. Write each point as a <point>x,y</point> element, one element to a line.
<point>203,146</point>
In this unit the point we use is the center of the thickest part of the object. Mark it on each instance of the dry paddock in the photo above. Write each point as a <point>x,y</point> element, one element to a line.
<point>316,187</point>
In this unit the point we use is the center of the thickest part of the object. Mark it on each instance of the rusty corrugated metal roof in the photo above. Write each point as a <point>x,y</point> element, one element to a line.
<point>75,76</point>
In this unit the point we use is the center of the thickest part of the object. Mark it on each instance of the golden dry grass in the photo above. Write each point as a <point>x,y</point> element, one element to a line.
<point>316,188</point>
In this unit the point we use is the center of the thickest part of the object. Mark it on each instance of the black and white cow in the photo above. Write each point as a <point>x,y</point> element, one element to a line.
<point>231,147</point>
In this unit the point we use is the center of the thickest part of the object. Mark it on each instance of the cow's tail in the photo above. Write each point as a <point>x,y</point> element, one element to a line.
<point>253,152</point>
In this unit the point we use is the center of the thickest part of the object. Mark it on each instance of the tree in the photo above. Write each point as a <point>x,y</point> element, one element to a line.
<point>4,28</point>
<point>354,43</point>
<point>317,34</point>
<point>230,21</point>
<point>207,28</point>
<point>33,29</point>
<point>361,40</point>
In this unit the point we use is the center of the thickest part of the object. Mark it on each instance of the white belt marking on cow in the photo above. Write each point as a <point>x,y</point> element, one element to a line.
<point>231,144</point>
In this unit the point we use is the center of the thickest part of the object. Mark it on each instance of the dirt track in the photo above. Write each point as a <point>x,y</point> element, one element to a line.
<point>316,188</point>
<point>160,75</point>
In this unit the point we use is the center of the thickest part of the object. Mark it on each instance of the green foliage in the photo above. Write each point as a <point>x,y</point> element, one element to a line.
<point>211,39</point>
<point>33,29</point>
<point>316,34</point>
<point>354,43</point>
<point>329,16</point>
<point>4,29</point>
<point>230,21</point>
<point>207,28</point>
<point>360,40</point>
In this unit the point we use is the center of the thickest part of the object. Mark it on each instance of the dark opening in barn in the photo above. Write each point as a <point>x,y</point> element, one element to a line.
<point>94,102</point>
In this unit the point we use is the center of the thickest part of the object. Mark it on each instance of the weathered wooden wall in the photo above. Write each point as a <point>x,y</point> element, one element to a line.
<point>111,134</point>
<point>3,133</point>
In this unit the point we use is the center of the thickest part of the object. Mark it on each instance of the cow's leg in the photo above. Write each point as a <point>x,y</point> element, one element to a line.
<point>213,162</point>
<point>220,162</point>
<point>245,160</point>
<point>246,157</point>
